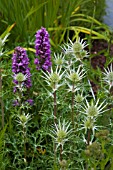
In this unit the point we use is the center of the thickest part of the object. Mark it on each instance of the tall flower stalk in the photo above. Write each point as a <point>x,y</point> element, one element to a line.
<point>74,77</point>
<point>43,52</point>
<point>61,134</point>
<point>53,78</point>
<point>91,111</point>
<point>21,73</point>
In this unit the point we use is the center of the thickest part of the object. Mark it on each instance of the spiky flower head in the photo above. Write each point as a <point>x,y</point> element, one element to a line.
<point>79,97</point>
<point>93,110</point>
<point>76,49</point>
<point>23,119</point>
<point>59,59</point>
<point>43,52</point>
<point>20,77</point>
<point>53,78</point>
<point>76,76</point>
<point>108,75</point>
<point>20,69</point>
<point>60,133</point>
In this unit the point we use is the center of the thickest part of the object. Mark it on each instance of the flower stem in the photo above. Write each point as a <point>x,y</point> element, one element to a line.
<point>72,106</point>
<point>88,136</point>
<point>55,106</point>
<point>61,152</point>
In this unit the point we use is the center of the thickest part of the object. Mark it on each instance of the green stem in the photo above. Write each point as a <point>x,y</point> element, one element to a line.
<point>55,105</point>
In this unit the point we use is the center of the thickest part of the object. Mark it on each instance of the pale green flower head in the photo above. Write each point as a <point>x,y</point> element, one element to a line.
<point>76,76</point>
<point>77,46</point>
<point>81,54</point>
<point>93,110</point>
<point>59,59</point>
<point>88,123</point>
<point>20,77</point>
<point>108,76</point>
<point>53,78</point>
<point>79,98</point>
<point>23,119</point>
<point>76,49</point>
<point>61,133</point>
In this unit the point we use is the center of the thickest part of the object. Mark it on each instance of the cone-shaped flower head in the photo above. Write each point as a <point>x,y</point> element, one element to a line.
<point>76,76</point>
<point>20,69</point>
<point>76,49</point>
<point>108,76</point>
<point>93,110</point>
<point>43,52</point>
<point>59,59</point>
<point>60,133</point>
<point>53,78</point>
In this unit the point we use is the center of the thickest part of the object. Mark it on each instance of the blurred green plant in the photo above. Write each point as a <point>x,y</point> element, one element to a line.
<point>68,17</point>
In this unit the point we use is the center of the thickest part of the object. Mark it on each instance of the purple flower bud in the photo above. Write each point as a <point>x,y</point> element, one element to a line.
<point>43,52</point>
<point>15,103</point>
<point>30,101</point>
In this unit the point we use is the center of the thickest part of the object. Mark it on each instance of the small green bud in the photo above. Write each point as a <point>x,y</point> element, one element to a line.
<point>63,163</point>
<point>74,77</point>
<point>87,152</point>
<point>23,118</point>
<point>88,124</point>
<point>61,135</point>
<point>77,46</point>
<point>79,98</point>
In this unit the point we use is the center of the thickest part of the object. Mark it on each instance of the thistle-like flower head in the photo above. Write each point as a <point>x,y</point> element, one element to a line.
<point>61,133</point>
<point>23,119</point>
<point>59,59</point>
<point>76,76</point>
<point>53,78</point>
<point>108,75</point>
<point>79,97</point>
<point>93,110</point>
<point>76,49</point>
<point>20,77</point>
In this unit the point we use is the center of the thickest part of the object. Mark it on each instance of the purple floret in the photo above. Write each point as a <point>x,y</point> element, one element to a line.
<point>20,62</point>
<point>43,52</point>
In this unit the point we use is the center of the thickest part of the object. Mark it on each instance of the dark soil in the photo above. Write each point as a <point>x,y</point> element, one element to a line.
<point>101,52</point>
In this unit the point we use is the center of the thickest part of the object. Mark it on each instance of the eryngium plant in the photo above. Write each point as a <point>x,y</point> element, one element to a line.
<point>61,133</point>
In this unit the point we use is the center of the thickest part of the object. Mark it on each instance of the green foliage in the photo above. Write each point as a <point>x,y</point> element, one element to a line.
<point>2,145</point>
<point>31,15</point>
<point>69,126</point>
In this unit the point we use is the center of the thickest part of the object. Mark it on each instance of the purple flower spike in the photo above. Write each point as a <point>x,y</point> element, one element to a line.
<point>20,62</point>
<point>42,46</point>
